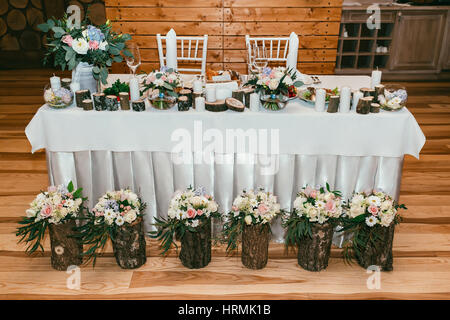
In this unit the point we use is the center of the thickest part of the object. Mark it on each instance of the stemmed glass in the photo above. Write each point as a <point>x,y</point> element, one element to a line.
<point>261,59</point>
<point>133,61</point>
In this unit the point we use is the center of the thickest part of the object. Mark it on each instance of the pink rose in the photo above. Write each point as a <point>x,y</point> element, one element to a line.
<point>46,211</point>
<point>313,193</point>
<point>67,39</point>
<point>234,208</point>
<point>93,45</point>
<point>373,210</point>
<point>98,213</point>
<point>262,208</point>
<point>191,213</point>
<point>307,191</point>
<point>199,212</point>
<point>330,206</point>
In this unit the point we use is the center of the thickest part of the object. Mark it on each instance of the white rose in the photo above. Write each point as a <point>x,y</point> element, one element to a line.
<point>273,84</point>
<point>212,206</point>
<point>298,203</point>
<point>30,213</point>
<point>248,220</point>
<point>288,80</point>
<point>386,205</point>
<point>130,216</point>
<point>80,46</point>
<point>159,82</point>
<point>357,199</point>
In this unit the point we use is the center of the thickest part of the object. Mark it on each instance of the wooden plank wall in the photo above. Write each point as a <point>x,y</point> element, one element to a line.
<point>227,21</point>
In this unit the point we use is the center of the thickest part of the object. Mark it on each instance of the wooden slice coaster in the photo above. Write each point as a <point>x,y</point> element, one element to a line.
<point>216,106</point>
<point>234,104</point>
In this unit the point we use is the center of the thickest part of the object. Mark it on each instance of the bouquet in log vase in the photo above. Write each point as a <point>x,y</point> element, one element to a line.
<point>309,226</point>
<point>57,209</point>
<point>118,216</point>
<point>371,218</point>
<point>189,220</point>
<point>250,218</point>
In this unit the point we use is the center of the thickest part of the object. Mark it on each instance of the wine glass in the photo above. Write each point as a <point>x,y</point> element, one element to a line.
<point>261,58</point>
<point>251,50</point>
<point>133,61</point>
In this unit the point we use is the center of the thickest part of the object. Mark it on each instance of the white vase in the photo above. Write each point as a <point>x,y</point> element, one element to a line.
<point>84,76</point>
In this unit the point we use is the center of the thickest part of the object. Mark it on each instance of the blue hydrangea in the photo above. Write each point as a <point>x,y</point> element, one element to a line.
<point>94,34</point>
<point>267,71</point>
<point>112,204</point>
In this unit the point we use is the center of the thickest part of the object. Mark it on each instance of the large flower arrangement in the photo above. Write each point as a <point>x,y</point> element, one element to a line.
<point>187,211</point>
<point>312,206</point>
<point>365,214</point>
<point>113,210</point>
<point>165,81</point>
<point>250,208</point>
<point>98,46</point>
<point>275,82</point>
<point>55,206</point>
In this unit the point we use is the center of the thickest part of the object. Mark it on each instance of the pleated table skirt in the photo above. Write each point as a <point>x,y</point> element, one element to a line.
<point>155,177</point>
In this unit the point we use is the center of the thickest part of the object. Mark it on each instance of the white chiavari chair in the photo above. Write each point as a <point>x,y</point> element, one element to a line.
<point>279,49</point>
<point>192,49</point>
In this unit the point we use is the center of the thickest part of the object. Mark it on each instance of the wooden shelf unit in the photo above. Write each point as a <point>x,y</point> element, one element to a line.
<point>357,50</point>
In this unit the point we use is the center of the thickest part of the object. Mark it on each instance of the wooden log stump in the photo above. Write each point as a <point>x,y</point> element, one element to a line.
<point>87,104</point>
<point>333,105</point>
<point>247,93</point>
<point>138,105</point>
<point>129,245</point>
<point>124,100</point>
<point>16,20</point>
<point>216,106</point>
<point>238,94</point>
<point>111,103</point>
<point>66,250</point>
<point>183,103</point>
<point>382,256</point>
<point>195,250</point>
<point>363,106</point>
<point>314,253</point>
<point>234,104</point>
<point>255,246</point>
<point>81,95</point>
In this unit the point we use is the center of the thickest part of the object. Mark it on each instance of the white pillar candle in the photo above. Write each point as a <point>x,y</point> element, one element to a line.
<point>344,102</point>
<point>254,102</point>
<point>211,94</point>
<point>197,86</point>
<point>376,78</point>
<point>320,100</point>
<point>55,83</point>
<point>356,96</point>
<point>134,89</point>
<point>74,87</point>
<point>200,104</point>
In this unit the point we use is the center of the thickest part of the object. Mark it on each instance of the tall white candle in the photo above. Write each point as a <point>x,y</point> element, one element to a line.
<point>376,78</point>
<point>344,103</point>
<point>320,100</point>
<point>197,86</point>
<point>254,102</point>
<point>200,104</point>
<point>55,83</point>
<point>134,89</point>
<point>356,96</point>
<point>211,94</point>
<point>74,87</point>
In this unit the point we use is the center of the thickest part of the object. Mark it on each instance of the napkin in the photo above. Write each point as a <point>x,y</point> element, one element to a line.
<point>171,49</point>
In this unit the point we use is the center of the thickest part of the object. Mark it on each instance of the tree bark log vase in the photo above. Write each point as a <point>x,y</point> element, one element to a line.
<point>186,93</point>
<point>363,106</point>
<point>195,250</point>
<point>239,95</point>
<point>333,104</point>
<point>99,101</point>
<point>111,103</point>
<point>314,253</point>
<point>374,108</point>
<point>124,100</point>
<point>66,250</point>
<point>129,245</point>
<point>183,103</point>
<point>87,104</point>
<point>81,95</point>
<point>382,256</point>
<point>138,105</point>
<point>255,246</point>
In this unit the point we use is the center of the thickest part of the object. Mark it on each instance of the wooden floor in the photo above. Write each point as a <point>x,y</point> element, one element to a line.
<point>421,246</point>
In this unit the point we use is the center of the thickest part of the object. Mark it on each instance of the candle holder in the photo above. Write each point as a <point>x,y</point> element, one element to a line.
<point>162,102</point>
<point>394,97</point>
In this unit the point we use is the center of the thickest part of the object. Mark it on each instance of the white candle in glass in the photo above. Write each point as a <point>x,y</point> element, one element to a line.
<point>344,102</point>
<point>200,104</point>
<point>320,100</point>
<point>356,96</point>
<point>376,78</point>
<point>74,87</point>
<point>55,83</point>
<point>134,89</point>
<point>254,102</point>
<point>211,94</point>
<point>197,86</point>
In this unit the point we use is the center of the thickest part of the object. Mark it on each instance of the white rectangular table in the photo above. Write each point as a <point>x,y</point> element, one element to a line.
<point>102,151</point>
